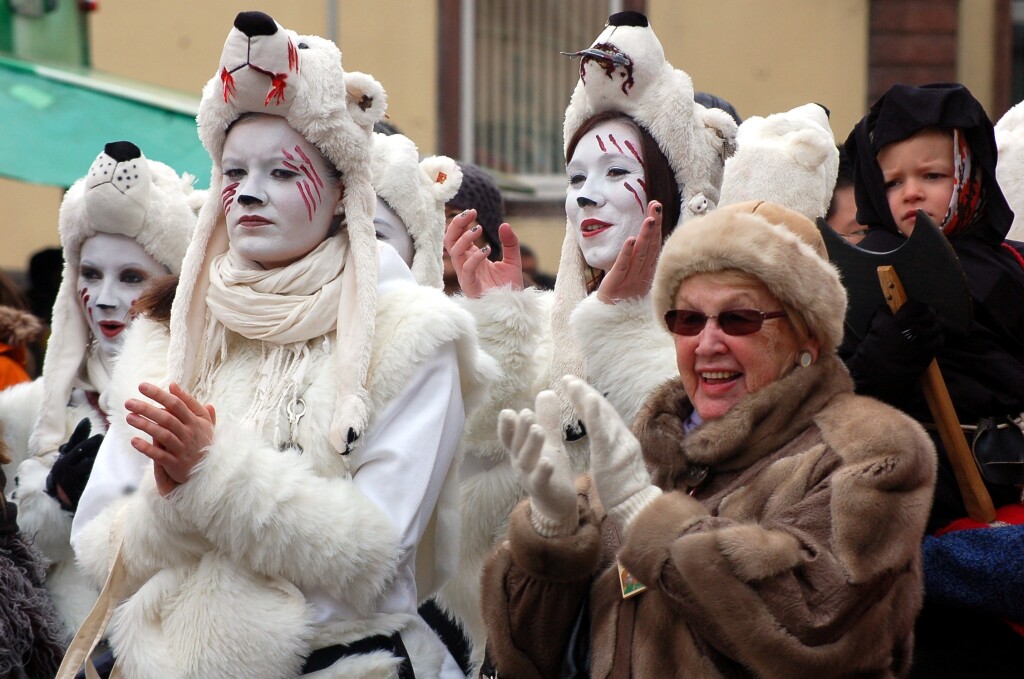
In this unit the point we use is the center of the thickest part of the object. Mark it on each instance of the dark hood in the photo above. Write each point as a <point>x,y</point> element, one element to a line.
<point>905,110</point>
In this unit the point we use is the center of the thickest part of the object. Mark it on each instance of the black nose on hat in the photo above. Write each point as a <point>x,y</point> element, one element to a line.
<point>628,18</point>
<point>122,151</point>
<point>255,23</point>
<point>828,114</point>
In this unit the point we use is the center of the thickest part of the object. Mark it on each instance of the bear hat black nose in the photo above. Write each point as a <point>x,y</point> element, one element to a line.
<point>122,151</point>
<point>628,18</point>
<point>255,23</point>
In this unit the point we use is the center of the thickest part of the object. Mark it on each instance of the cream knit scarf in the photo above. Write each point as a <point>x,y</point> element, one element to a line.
<point>281,308</point>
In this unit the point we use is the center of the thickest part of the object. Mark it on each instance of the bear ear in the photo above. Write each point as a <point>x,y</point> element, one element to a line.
<point>808,147</point>
<point>365,97</point>
<point>444,175</point>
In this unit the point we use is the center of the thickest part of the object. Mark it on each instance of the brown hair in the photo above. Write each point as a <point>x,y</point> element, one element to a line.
<point>156,299</point>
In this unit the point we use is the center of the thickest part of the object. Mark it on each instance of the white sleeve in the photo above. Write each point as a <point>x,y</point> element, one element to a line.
<point>402,466</point>
<point>116,473</point>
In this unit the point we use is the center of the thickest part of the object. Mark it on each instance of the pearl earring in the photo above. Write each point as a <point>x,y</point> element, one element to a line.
<point>805,358</point>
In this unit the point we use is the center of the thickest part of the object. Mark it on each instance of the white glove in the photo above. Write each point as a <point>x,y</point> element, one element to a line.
<point>534,443</point>
<point>616,460</point>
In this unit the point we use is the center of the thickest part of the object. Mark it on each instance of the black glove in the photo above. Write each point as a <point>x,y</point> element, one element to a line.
<point>74,465</point>
<point>897,349</point>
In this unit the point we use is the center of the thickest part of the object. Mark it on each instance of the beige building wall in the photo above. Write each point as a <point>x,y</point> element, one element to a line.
<point>766,57</point>
<point>976,51</point>
<point>762,56</point>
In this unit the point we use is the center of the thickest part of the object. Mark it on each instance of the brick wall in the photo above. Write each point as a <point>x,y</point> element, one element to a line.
<point>912,42</point>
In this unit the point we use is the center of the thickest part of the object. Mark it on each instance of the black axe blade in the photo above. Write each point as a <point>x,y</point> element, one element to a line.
<point>926,263</point>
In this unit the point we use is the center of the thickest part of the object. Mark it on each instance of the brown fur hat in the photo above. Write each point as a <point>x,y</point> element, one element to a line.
<point>776,245</point>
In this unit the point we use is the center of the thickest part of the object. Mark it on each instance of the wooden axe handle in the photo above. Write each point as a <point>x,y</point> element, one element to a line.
<point>968,478</point>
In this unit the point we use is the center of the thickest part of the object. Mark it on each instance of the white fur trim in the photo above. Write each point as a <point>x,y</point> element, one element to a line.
<point>18,407</point>
<point>788,158</point>
<point>629,352</point>
<point>1010,165</point>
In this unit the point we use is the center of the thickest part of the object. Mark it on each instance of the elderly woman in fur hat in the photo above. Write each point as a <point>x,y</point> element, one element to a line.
<point>761,520</point>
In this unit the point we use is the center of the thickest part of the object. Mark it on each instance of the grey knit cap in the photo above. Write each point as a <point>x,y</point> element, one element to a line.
<point>479,192</point>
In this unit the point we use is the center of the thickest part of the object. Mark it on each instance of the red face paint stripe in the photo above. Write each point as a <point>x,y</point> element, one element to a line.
<point>307,199</point>
<point>293,168</point>
<point>635,195</point>
<point>600,142</point>
<point>313,179</point>
<point>309,162</point>
<point>611,138</point>
<point>632,149</point>
<point>287,155</point>
<point>227,196</point>
<point>643,184</point>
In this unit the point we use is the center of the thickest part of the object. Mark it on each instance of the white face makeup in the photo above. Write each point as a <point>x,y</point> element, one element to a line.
<point>112,272</point>
<point>606,201</point>
<point>391,230</point>
<point>279,199</point>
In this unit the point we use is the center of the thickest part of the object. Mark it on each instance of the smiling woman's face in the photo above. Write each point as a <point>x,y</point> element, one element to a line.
<point>112,272</point>
<point>279,198</point>
<point>718,369</point>
<point>606,200</point>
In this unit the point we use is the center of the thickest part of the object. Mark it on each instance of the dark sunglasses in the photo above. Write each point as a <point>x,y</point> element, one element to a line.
<point>688,323</point>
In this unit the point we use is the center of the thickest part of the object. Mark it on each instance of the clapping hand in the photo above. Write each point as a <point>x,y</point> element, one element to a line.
<point>181,430</point>
<point>633,271</point>
<point>616,459</point>
<point>476,273</point>
<point>534,443</point>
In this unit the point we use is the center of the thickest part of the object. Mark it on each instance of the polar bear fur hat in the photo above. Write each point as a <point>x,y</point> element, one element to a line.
<point>787,158</point>
<point>625,70</point>
<point>1010,165</point>
<point>126,194</point>
<point>265,68</point>
<point>417,191</point>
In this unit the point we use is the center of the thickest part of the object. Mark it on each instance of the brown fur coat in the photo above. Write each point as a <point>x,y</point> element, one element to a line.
<point>797,556</point>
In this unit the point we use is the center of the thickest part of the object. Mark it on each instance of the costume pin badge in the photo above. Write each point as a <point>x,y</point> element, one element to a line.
<point>630,585</point>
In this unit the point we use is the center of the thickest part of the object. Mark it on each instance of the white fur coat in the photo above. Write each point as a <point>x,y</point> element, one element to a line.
<point>39,515</point>
<point>217,569</point>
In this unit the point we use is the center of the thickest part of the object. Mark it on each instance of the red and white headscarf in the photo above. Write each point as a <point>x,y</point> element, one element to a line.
<point>965,205</point>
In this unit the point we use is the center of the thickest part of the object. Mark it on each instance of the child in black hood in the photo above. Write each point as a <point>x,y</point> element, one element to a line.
<point>933,148</point>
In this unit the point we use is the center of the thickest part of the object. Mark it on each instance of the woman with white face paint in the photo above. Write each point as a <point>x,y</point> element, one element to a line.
<point>295,462</point>
<point>128,220</point>
<point>639,154</point>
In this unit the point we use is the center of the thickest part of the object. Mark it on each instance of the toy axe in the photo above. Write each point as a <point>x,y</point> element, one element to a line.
<point>929,262</point>
<point>927,265</point>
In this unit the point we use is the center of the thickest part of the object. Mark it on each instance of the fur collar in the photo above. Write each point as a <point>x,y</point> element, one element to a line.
<point>760,423</point>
